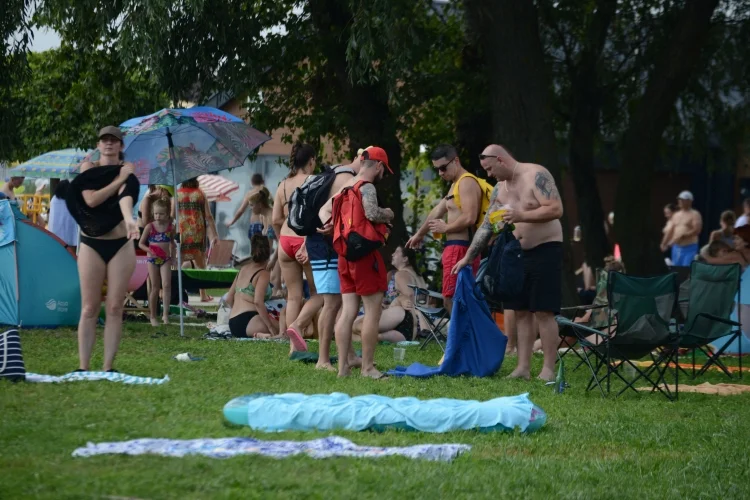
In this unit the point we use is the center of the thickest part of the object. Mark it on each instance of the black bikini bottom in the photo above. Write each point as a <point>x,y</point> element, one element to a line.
<point>238,324</point>
<point>406,327</point>
<point>106,249</point>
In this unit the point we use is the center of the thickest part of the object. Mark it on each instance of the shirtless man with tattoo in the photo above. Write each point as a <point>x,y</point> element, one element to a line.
<point>462,220</point>
<point>529,196</point>
<point>365,279</point>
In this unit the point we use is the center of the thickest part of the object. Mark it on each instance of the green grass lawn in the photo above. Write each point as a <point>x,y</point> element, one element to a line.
<point>636,446</point>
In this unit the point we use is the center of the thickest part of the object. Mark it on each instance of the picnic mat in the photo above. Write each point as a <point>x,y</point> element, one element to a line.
<point>333,446</point>
<point>221,332</point>
<point>93,376</point>
<point>312,356</point>
<point>709,388</point>
<point>337,411</point>
<point>731,369</point>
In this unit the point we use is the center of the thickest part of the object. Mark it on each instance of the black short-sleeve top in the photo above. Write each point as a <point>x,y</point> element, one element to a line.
<point>99,220</point>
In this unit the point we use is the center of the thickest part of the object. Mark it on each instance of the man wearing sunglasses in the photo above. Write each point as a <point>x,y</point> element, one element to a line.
<point>529,197</point>
<point>462,217</point>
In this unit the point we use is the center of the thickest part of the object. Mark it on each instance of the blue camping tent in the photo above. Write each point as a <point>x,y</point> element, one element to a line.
<point>39,284</point>
<point>743,306</point>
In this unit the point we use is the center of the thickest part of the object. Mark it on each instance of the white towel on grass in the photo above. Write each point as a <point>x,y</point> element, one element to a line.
<point>93,376</point>
<point>333,446</point>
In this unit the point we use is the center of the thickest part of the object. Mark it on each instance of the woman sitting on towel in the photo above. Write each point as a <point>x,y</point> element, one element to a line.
<point>249,292</point>
<point>100,200</point>
<point>398,322</point>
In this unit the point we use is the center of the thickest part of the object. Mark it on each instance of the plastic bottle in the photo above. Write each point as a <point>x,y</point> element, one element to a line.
<point>560,379</point>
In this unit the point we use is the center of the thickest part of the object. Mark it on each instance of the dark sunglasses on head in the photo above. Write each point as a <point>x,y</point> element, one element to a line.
<point>443,168</point>
<point>484,157</point>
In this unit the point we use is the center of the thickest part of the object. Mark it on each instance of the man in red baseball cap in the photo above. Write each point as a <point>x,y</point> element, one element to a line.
<point>363,279</point>
<point>375,153</point>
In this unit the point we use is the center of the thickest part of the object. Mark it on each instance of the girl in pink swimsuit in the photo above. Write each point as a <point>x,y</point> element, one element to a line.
<point>158,242</point>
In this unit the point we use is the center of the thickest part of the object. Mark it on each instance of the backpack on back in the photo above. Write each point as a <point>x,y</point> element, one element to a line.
<point>486,189</point>
<point>354,235</point>
<point>307,200</point>
<point>502,277</point>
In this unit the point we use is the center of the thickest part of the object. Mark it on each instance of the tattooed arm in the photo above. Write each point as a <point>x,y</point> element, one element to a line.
<point>370,204</point>
<point>546,193</point>
<point>483,235</point>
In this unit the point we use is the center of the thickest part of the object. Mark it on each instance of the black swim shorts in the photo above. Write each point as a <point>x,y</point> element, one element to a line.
<point>542,273</point>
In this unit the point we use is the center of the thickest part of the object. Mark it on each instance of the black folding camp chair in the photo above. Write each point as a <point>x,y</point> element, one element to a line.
<point>434,318</point>
<point>640,325</point>
<point>710,302</point>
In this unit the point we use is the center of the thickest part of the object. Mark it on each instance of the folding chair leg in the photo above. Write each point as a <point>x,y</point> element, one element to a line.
<point>713,359</point>
<point>595,375</point>
<point>434,327</point>
<point>571,348</point>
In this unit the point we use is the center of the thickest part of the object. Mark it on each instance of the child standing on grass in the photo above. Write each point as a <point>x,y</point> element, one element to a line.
<point>158,242</point>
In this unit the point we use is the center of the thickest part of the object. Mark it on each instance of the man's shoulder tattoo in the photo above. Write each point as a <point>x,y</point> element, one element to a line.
<point>546,185</point>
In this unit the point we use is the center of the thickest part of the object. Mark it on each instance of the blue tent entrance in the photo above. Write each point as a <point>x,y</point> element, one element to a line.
<point>39,284</point>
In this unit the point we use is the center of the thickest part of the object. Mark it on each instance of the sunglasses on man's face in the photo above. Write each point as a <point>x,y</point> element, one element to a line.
<point>443,168</point>
<point>484,157</point>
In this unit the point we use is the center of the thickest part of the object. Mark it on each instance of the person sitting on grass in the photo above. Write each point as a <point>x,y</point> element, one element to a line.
<point>158,242</point>
<point>308,330</point>
<point>398,321</point>
<point>249,292</point>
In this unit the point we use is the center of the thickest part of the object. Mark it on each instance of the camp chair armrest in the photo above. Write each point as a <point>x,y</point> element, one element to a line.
<point>429,293</point>
<point>580,327</point>
<point>718,319</point>
<point>589,307</point>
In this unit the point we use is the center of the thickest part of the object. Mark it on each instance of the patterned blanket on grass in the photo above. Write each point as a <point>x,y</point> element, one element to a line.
<point>93,376</point>
<point>221,332</point>
<point>333,446</point>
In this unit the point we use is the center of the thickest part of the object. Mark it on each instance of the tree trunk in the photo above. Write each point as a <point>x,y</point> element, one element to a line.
<point>369,119</point>
<point>634,228</point>
<point>521,97</point>
<point>584,129</point>
<point>474,119</point>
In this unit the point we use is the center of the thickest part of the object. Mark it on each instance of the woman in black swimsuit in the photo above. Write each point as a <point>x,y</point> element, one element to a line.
<point>398,321</point>
<point>101,201</point>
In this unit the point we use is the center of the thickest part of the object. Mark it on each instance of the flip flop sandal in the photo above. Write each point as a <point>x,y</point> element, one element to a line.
<point>296,339</point>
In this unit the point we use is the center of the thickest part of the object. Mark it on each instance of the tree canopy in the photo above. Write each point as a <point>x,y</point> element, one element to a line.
<point>69,94</point>
<point>555,81</point>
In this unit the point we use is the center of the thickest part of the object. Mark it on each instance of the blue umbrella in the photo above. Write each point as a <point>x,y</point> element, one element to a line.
<point>52,165</point>
<point>198,141</point>
<point>174,145</point>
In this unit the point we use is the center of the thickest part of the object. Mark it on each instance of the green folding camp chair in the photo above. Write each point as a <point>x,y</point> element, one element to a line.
<point>709,306</point>
<point>639,325</point>
<point>599,317</point>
